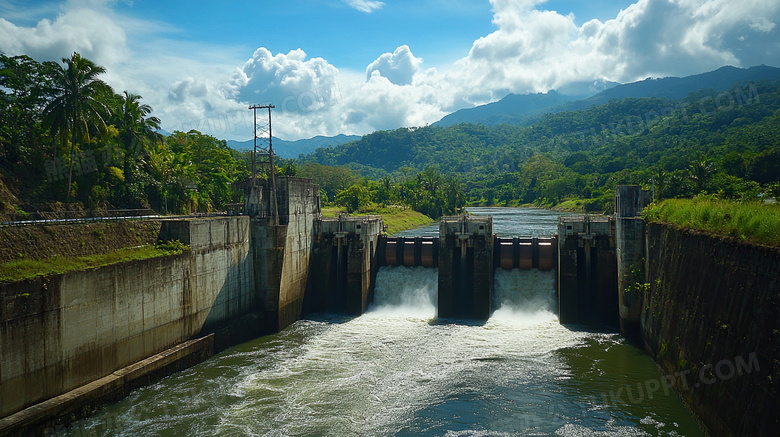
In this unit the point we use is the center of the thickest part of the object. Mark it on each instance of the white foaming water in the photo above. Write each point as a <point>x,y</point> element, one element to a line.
<point>409,291</point>
<point>524,294</point>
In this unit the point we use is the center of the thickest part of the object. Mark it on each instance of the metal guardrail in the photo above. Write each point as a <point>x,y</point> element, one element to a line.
<point>63,217</point>
<point>93,216</point>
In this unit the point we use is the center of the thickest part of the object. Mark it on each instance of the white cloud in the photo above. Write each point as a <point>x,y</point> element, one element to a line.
<point>366,6</point>
<point>287,80</point>
<point>535,50</point>
<point>193,85</point>
<point>312,97</point>
<point>398,67</point>
<point>90,32</point>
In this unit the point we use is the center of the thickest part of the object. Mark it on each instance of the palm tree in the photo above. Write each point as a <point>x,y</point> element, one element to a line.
<point>79,102</point>
<point>131,118</point>
<point>660,181</point>
<point>133,122</point>
<point>700,173</point>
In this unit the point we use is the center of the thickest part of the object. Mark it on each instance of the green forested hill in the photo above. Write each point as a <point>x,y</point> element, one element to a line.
<point>525,109</point>
<point>727,141</point>
<point>512,109</point>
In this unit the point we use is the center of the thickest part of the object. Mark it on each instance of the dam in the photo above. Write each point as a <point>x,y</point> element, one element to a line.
<point>505,321</point>
<point>397,369</point>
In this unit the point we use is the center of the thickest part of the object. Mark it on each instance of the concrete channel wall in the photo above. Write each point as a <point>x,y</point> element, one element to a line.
<point>282,248</point>
<point>73,341</point>
<point>710,318</point>
<point>64,331</point>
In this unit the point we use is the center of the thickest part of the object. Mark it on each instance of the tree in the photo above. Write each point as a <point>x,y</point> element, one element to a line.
<point>211,168</point>
<point>290,169</point>
<point>660,181</point>
<point>79,103</point>
<point>133,121</point>
<point>29,86</point>
<point>136,127</point>
<point>701,172</point>
<point>330,179</point>
<point>354,198</point>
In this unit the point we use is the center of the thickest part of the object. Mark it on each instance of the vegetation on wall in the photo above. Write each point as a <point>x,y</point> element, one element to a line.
<point>755,222</point>
<point>19,270</point>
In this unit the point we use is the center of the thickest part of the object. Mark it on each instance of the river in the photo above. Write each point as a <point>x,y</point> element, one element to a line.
<point>398,370</point>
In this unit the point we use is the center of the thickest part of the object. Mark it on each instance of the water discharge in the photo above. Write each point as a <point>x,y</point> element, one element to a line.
<point>406,291</point>
<point>398,370</point>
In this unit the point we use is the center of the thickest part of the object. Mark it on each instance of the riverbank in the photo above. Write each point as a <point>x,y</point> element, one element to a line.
<point>580,206</point>
<point>397,219</point>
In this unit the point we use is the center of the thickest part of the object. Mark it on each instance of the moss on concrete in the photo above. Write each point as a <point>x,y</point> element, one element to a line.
<point>20,270</point>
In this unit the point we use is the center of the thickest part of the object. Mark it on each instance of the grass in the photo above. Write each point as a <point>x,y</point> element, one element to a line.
<point>754,222</point>
<point>27,269</point>
<point>571,205</point>
<point>397,219</point>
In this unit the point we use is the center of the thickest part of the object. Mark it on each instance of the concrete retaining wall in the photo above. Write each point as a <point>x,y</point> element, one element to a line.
<point>282,250</point>
<point>64,331</point>
<point>711,320</point>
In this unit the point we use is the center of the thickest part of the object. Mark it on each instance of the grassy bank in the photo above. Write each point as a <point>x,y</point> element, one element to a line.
<point>751,221</point>
<point>20,270</point>
<point>570,204</point>
<point>396,219</point>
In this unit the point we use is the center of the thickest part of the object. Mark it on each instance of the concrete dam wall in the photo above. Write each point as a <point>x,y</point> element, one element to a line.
<point>711,317</point>
<point>64,331</point>
<point>78,339</point>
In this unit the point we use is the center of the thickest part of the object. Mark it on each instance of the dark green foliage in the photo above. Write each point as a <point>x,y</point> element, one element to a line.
<point>115,157</point>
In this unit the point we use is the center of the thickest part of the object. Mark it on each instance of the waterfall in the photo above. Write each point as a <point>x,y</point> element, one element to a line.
<point>406,291</point>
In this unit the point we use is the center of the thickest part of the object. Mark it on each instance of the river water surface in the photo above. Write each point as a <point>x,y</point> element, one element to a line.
<point>398,370</point>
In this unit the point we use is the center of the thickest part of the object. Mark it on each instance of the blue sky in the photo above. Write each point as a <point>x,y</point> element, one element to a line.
<point>355,66</point>
<point>440,31</point>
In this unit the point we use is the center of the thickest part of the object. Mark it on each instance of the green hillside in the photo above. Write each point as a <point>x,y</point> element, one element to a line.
<point>724,142</point>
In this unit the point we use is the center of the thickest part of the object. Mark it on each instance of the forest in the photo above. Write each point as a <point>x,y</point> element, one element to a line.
<point>721,143</point>
<point>68,140</point>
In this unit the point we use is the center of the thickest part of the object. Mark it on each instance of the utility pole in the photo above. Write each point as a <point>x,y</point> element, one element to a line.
<point>272,169</point>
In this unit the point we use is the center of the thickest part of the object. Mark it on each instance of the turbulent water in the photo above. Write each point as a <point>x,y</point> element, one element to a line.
<point>398,370</point>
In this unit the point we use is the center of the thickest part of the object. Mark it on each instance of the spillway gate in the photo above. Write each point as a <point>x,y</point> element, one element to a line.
<point>349,251</point>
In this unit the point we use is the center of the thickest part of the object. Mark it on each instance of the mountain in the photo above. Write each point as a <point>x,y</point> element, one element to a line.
<point>512,109</point>
<point>291,149</point>
<point>583,90</point>
<point>675,88</point>
<point>521,109</point>
<point>731,149</point>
